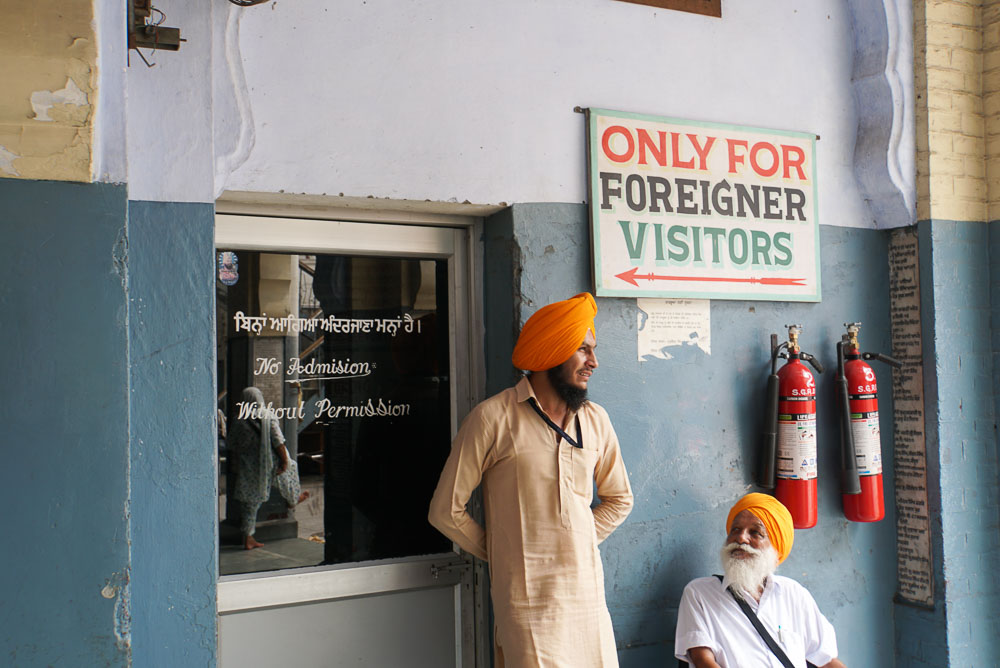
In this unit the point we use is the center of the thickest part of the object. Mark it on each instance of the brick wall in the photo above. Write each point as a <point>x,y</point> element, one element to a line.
<point>957,80</point>
<point>951,146</point>
<point>991,103</point>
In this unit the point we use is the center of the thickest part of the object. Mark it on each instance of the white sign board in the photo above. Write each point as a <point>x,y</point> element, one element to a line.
<point>684,209</point>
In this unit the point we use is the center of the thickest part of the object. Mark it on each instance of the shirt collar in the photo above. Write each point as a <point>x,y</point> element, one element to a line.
<point>525,392</point>
<point>768,585</point>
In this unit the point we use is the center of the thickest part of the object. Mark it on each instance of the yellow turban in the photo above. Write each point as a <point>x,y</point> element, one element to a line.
<point>776,518</point>
<point>554,332</point>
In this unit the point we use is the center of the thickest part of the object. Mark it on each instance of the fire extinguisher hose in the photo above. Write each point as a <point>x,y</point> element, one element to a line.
<point>766,471</point>
<point>768,450</point>
<point>850,483</point>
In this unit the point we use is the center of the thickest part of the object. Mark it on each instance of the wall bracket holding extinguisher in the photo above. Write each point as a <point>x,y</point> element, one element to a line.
<point>860,434</point>
<point>788,451</point>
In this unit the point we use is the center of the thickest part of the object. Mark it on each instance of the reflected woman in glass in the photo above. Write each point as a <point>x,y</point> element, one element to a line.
<point>262,461</point>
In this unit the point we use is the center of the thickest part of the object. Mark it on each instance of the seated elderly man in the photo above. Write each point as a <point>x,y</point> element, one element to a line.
<point>751,617</point>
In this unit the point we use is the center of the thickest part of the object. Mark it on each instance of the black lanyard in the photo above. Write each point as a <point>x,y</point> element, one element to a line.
<point>765,636</point>
<point>578,443</point>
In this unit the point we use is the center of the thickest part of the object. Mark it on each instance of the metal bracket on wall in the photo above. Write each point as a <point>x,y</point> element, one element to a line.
<point>145,29</point>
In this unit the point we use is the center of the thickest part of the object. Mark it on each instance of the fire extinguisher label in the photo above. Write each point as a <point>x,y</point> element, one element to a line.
<point>867,442</point>
<point>797,446</point>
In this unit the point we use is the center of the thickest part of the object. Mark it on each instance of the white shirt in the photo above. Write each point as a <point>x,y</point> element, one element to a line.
<point>710,617</point>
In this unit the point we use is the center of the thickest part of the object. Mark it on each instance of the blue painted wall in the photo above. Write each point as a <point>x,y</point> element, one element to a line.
<point>690,426</point>
<point>107,312</point>
<point>173,474</point>
<point>65,416</point>
<point>108,327</point>
<point>958,284</point>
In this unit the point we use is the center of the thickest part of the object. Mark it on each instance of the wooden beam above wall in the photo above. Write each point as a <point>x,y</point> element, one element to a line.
<point>706,7</point>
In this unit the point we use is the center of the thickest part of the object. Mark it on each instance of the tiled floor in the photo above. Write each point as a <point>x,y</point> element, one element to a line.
<point>305,550</point>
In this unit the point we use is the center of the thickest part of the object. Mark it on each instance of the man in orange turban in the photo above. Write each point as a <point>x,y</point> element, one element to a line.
<point>714,621</point>
<point>552,334</point>
<point>537,450</point>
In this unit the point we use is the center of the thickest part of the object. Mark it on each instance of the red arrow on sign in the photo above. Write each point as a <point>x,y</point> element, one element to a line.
<point>632,277</point>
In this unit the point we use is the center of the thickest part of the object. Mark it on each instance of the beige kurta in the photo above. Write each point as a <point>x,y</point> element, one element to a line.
<point>541,534</point>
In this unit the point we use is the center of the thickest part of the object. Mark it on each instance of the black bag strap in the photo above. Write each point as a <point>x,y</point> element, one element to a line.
<point>768,640</point>
<point>578,443</point>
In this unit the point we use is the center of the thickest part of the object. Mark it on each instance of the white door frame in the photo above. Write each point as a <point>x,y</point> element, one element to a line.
<point>455,239</point>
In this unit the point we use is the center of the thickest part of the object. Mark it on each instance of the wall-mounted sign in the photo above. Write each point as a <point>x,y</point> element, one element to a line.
<point>914,553</point>
<point>685,209</point>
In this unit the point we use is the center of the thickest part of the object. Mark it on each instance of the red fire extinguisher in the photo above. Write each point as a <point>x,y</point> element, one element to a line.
<point>861,447</point>
<point>788,456</point>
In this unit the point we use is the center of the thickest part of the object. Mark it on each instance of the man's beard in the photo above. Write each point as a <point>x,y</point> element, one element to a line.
<point>560,378</point>
<point>748,574</point>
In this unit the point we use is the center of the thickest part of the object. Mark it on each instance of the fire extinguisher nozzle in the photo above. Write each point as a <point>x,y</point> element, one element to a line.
<point>812,360</point>
<point>891,361</point>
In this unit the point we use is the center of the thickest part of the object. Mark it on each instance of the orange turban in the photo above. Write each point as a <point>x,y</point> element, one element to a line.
<point>776,518</point>
<point>554,332</point>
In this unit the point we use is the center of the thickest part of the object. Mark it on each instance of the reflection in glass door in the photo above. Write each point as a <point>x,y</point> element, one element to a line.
<point>350,356</point>
<point>348,346</point>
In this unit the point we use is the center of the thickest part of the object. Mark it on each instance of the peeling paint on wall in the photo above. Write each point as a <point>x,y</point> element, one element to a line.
<point>7,162</point>
<point>49,83</point>
<point>117,587</point>
<point>44,101</point>
<point>119,256</point>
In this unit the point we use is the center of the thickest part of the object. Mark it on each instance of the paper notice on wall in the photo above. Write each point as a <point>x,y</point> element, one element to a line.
<point>667,326</point>
<point>914,554</point>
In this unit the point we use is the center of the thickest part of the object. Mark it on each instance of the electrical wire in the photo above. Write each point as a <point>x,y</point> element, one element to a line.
<point>163,17</point>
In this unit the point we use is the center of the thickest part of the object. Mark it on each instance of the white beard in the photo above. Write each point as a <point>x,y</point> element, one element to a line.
<point>748,575</point>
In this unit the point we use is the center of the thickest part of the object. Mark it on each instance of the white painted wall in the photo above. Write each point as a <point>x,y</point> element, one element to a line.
<point>169,106</point>
<point>109,155</point>
<point>473,100</point>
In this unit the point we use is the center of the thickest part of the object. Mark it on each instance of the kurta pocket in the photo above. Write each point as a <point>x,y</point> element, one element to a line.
<point>584,462</point>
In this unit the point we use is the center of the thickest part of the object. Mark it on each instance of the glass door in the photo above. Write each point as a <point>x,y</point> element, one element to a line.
<point>340,352</point>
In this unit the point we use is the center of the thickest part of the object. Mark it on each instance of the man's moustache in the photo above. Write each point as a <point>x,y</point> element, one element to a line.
<point>733,547</point>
